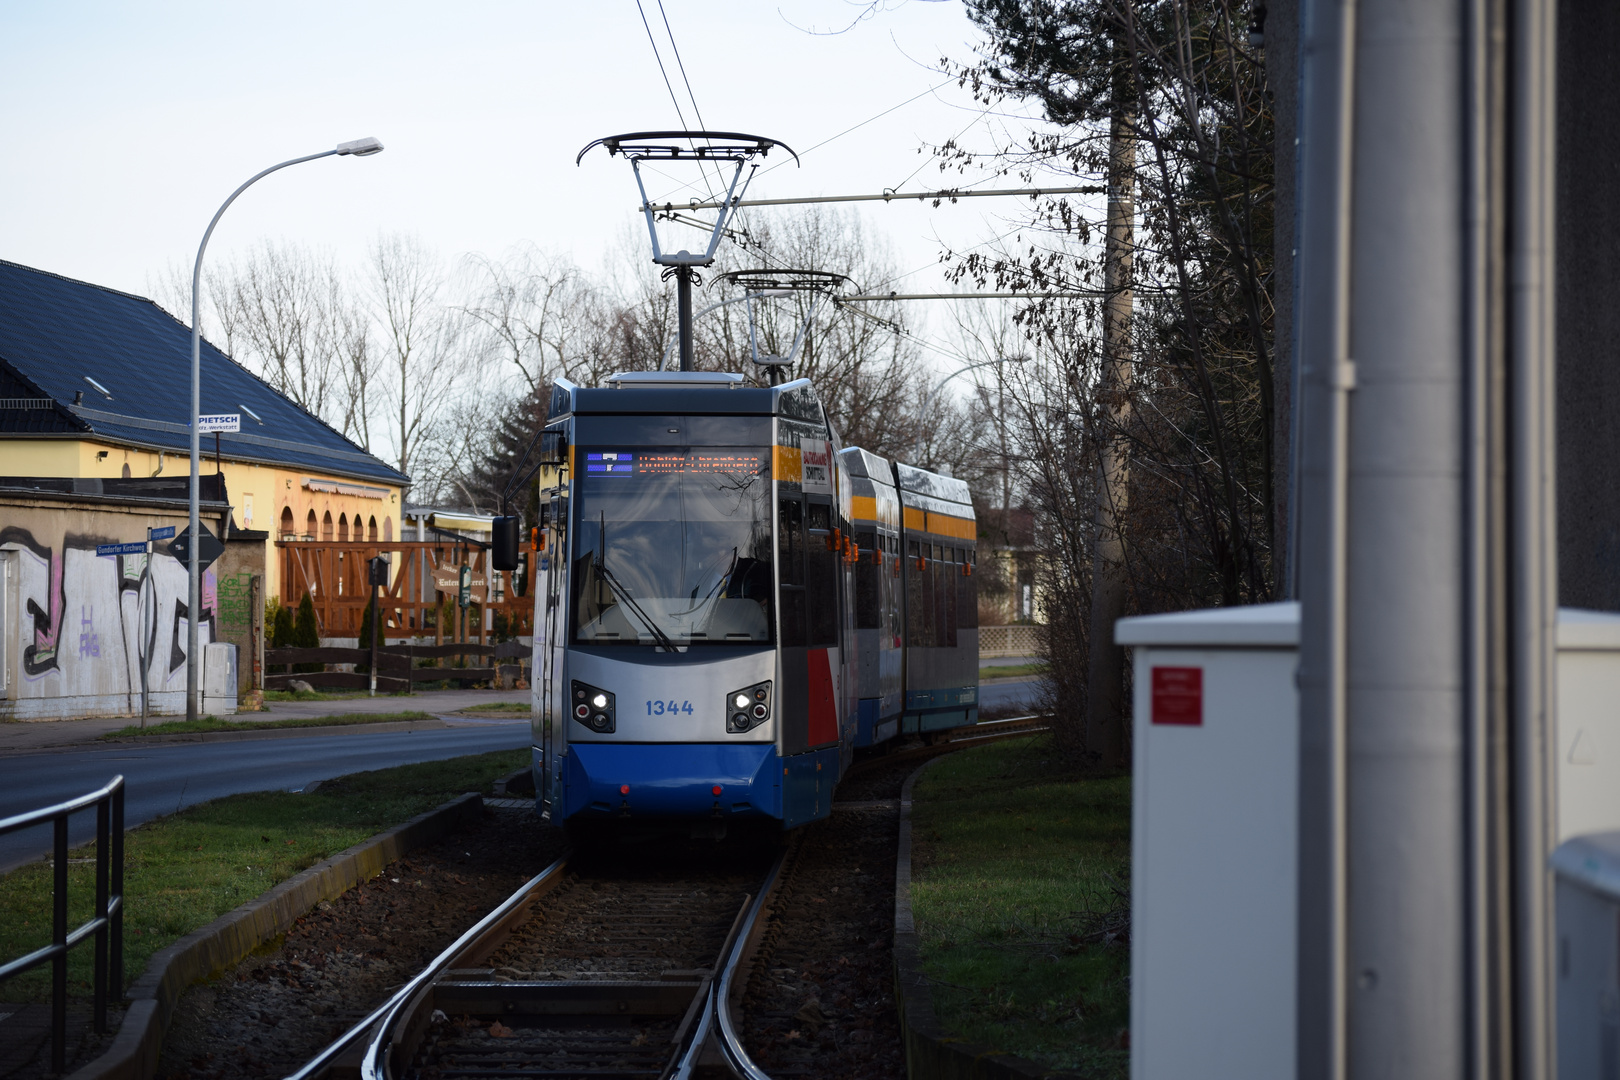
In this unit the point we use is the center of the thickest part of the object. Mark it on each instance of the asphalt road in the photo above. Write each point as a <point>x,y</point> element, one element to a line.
<point>164,777</point>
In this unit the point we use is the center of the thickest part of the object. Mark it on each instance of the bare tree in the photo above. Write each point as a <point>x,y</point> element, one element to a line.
<point>420,340</point>
<point>281,305</point>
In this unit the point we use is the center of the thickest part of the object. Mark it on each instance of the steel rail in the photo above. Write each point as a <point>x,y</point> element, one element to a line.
<point>388,1009</point>
<point>727,1039</point>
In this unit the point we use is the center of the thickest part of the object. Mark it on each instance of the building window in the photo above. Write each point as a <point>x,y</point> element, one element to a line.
<point>371,529</point>
<point>326,527</point>
<point>287,525</point>
<point>309,526</point>
<point>126,470</point>
<point>388,529</point>
<point>343,527</point>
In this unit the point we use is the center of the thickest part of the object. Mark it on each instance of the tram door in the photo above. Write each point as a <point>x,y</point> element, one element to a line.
<point>551,620</point>
<point>822,584</point>
<point>795,633</point>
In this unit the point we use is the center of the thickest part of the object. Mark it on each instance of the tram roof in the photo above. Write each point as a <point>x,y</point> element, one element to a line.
<point>915,481</point>
<point>688,393</point>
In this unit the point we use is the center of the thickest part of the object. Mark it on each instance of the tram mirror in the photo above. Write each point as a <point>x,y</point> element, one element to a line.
<point>504,540</point>
<point>553,447</point>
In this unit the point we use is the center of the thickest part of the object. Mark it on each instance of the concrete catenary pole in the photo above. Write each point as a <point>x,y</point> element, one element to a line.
<point>1105,694</point>
<point>1425,537</point>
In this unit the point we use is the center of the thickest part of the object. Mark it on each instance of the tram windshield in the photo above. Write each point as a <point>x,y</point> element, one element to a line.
<point>673,546</point>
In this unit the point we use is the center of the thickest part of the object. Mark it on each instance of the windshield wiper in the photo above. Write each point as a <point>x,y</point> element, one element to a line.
<point>624,596</point>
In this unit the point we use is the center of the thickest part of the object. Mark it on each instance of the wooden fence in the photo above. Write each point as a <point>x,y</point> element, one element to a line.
<point>396,665</point>
<point>420,598</point>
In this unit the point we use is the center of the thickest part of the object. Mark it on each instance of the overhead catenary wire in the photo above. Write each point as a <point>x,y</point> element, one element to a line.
<point>840,135</point>
<point>943,195</point>
<point>681,66</point>
<point>674,100</point>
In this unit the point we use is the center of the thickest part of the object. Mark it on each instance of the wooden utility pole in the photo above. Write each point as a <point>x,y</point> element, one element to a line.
<point>1105,724</point>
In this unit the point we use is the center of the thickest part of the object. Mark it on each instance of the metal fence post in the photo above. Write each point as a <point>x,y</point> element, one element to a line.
<point>59,940</point>
<point>103,839</point>
<point>115,943</point>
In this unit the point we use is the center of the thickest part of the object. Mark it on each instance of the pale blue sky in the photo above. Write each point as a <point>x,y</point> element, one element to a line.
<point>124,126</point>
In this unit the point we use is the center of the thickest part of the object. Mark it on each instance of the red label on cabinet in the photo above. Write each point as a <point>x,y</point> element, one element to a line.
<point>1178,695</point>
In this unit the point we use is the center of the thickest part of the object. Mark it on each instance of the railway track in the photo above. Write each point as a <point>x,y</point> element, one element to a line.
<point>594,968</point>
<point>598,966</point>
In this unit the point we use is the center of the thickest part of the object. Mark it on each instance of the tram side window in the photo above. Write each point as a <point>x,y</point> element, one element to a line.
<point>938,575</point>
<point>790,557</point>
<point>967,593</point>
<point>821,576</point>
<point>948,572</point>
<point>868,584</point>
<point>919,614</point>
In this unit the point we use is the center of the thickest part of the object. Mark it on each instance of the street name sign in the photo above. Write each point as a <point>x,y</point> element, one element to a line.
<point>165,533</point>
<point>137,548</point>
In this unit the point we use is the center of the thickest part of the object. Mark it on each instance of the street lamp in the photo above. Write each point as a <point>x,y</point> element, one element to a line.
<point>355,148</point>
<point>929,400</point>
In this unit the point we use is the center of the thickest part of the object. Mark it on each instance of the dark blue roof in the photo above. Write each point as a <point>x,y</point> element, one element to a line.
<point>55,331</point>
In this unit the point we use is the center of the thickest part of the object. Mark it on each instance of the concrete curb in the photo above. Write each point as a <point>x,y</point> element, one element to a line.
<point>201,953</point>
<point>931,1054</point>
<point>436,724</point>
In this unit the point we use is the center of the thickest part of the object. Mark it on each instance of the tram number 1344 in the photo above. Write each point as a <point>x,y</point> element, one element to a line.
<point>661,708</point>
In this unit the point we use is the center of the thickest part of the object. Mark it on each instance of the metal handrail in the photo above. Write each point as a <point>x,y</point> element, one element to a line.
<point>107,922</point>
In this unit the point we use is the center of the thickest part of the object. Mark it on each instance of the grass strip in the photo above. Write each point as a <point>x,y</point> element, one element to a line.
<point>506,707</point>
<point>1011,670</point>
<point>183,871</point>
<point>1020,872</point>
<point>216,723</point>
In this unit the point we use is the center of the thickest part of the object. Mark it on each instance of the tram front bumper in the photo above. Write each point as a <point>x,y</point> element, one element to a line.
<point>672,780</point>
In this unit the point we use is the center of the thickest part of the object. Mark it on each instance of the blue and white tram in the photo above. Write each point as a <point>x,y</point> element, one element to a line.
<point>696,656</point>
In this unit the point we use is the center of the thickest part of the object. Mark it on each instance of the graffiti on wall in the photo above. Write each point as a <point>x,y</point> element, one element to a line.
<point>89,620</point>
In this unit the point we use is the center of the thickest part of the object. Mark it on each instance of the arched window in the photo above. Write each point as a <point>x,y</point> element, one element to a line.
<point>287,523</point>
<point>326,527</point>
<point>343,527</point>
<point>310,526</point>
<point>388,529</point>
<point>126,470</point>
<point>372,529</point>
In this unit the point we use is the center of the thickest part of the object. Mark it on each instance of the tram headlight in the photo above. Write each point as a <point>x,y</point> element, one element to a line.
<point>593,708</point>
<point>748,708</point>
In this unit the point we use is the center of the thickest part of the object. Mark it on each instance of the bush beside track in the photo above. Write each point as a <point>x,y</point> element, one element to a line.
<point>1018,895</point>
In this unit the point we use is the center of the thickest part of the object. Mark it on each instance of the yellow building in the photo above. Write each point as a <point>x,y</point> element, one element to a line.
<point>97,383</point>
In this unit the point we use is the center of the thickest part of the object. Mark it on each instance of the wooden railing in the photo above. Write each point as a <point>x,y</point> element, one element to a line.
<point>396,665</point>
<point>420,598</point>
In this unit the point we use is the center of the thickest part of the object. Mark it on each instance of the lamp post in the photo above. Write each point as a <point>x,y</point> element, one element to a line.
<point>356,148</point>
<point>932,394</point>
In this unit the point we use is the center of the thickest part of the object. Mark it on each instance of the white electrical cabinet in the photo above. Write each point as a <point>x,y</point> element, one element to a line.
<point>1588,959</point>
<point>219,678</point>
<point>1215,812</point>
<point>1214,832</point>
<point>1588,728</point>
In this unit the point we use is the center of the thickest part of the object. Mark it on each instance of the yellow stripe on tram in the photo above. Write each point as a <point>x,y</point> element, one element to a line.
<point>950,525</point>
